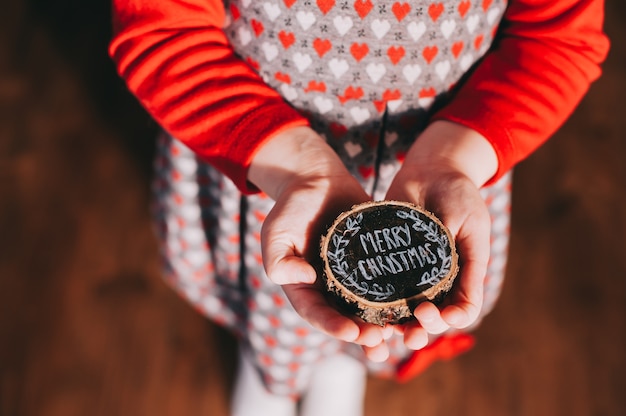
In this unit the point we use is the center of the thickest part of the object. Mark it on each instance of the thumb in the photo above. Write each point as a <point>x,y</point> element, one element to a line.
<point>283,266</point>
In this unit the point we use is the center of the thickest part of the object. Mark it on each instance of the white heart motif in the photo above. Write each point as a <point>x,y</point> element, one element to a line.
<point>411,72</point>
<point>282,356</point>
<point>288,92</point>
<point>270,50</point>
<point>386,170</point>
<point>390,138</point>
<point>256,340</point>
<point>286,337</point>
<point>306,19</point>
<point>352,149</point>
<point>375,71</point>
<point>324,105</point>
<point>196,258</point>
<point>466,61</point>
<point>393,105</point>
<point>447,27</point>
<point>193,236</point>
<point>188,189</point>
<point>416,30</point>
<point>272,10</point>
<point>492,15</point>
<point>338,67</point>
<point>259,322</point>
<point>211,304</point>
<point>380,28</point>
<point>245,36</point>
<point>289,316</point>
<point>359,114</point>
<point>472,22</point>
<point>186,165</point>
<point>190,212</point>
<point>302,61</point>
<point>278,372</point>
<point>264,301</point>
<point>426,102</point>
<point>442,69</point>
<point>343,24</point>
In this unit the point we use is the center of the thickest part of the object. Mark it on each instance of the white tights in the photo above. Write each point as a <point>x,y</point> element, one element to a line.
<point>336,388</point>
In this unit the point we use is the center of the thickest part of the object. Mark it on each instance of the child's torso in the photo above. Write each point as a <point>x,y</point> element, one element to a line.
<point>363,70</point>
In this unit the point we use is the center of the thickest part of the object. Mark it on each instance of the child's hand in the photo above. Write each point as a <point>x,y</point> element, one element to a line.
<point>443,172</point>
<point>311,187</point>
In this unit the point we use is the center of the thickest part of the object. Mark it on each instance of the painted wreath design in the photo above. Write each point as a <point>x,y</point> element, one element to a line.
<point>340,267</point>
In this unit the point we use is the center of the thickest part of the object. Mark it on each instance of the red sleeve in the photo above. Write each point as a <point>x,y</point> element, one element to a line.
<point>542,62</point>
<point>177,61</point>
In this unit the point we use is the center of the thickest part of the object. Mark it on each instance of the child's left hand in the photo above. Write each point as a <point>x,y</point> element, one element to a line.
<point>443,172</point>
<point>457,202</point>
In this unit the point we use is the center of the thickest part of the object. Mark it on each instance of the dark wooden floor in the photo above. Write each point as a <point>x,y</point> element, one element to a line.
<point>88,328</point>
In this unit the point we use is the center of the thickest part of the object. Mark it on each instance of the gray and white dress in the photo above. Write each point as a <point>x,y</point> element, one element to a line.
<point>368,75</point>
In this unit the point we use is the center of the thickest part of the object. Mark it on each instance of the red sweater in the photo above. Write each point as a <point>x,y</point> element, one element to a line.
<point>177,61</point>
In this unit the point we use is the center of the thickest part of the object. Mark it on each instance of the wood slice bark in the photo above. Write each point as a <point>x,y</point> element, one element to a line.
<point>381,259</point>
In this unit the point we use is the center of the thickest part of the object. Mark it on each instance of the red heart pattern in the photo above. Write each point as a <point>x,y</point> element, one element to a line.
<point>322,46</point>
<point>286,38</point>
<point>363,7</point>
<point>435,10</point>
<point>359,50</point>
<point>400,10</point>
<point>351,61</point>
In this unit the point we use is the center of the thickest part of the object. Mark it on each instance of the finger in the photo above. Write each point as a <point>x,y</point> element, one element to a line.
<point>311,305</point>
<point>388,331</point>
<point>370,335</point>
<point>463,305</point>
<point>467,296</point>
<point>430,318</point>
<point>399,329</point>
<point>283,267</point>
<point>415,337</point>
<point>377,353</point>
<point>466,304</point>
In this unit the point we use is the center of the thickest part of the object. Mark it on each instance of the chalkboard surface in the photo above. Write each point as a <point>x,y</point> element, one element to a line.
<point>382,258</point>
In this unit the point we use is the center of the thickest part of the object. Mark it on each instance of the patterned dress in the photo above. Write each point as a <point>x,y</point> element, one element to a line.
<point>368,75</point>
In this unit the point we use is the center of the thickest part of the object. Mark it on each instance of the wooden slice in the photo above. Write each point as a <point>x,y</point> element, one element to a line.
<point>381,259</point>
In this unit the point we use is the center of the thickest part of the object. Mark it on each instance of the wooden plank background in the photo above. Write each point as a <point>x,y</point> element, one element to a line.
<point>88,328</point>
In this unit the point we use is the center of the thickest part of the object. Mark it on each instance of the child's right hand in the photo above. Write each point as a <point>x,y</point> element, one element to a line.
<point>311,187</point>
